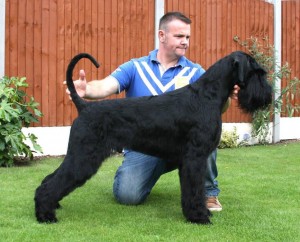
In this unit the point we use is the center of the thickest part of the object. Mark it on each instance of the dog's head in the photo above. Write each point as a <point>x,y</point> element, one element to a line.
<point>255,91</point>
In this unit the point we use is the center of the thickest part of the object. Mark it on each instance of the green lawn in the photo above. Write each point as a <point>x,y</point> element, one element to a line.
<point>260,198</point>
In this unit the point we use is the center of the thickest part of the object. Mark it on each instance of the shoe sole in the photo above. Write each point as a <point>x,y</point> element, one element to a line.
<point>215,209</point>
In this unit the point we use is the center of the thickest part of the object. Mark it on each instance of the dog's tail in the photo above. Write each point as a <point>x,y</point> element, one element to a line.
<point>78,101</point>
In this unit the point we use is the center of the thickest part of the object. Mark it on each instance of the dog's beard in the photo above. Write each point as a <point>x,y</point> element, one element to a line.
<point>255,95</point>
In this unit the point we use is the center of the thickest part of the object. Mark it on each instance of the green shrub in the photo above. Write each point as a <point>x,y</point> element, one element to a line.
<point>230,139</point>
<point>17,110</point>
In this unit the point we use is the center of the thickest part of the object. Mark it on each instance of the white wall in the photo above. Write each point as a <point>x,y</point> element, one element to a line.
<point>289,128</point>
<point>54,140</point>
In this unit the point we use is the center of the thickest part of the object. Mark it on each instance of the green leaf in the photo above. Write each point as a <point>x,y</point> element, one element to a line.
<point>33,140</point>
<point>2,145</point>
<point>17,109</point>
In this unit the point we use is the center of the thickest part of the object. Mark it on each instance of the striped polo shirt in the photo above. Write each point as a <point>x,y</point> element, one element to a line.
<point>144,76</point>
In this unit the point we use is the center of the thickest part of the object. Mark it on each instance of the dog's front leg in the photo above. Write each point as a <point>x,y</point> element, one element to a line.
<point>192,176</point>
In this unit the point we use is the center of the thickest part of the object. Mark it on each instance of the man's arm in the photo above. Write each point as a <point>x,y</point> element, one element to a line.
<point>99,89</point>
<point>96,89</point>
<point>226,106</point>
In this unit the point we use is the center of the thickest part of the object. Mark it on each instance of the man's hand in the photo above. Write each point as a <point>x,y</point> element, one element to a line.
<point>233,95</point>
<point>235,91</point>
<point>80,85</point>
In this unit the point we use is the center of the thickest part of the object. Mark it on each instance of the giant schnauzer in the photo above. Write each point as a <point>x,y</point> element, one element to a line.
<point>182,126</point>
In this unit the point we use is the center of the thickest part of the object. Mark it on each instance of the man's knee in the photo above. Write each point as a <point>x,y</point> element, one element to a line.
<point>136,177</point>
<point>129,195</point>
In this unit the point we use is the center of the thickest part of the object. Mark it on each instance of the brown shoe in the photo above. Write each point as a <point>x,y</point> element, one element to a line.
<point>213,204</point>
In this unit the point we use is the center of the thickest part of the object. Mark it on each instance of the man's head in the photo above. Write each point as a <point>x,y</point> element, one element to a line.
<point>174,33</point>
<point>170,16</point>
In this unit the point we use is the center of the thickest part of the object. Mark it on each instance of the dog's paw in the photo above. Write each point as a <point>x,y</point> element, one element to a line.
<point>46,218</point>
<point>200,220</point>
<point>199,216</point>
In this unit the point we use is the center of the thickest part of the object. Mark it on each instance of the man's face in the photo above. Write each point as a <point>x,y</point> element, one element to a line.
<point>175,38</point>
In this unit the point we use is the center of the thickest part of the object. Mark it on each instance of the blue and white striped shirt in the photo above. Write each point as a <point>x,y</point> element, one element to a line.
<point>144,77</point>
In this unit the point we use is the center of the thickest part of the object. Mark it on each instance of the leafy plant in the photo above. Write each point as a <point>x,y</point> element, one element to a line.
<point>17,110</point>
<point>285,101</point>
<point>230,139</point>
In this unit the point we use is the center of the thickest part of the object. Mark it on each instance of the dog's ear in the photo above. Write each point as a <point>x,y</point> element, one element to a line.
<point>239,71</point>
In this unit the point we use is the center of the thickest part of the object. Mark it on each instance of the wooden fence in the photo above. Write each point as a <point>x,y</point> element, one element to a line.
<point>42,36</point>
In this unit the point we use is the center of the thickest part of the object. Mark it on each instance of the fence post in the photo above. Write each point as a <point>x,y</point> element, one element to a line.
<point>159,12</point>
<point>277,45</point>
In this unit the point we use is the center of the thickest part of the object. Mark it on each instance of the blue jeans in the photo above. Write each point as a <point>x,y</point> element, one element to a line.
<point>138,174</point>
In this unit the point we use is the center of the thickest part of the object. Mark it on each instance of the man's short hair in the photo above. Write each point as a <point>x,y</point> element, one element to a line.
<point>168,17</point>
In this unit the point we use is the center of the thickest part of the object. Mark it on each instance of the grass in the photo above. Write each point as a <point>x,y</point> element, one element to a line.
<point>260,196</point>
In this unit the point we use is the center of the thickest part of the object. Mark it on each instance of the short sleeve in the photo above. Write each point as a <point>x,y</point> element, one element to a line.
<point>124,75</point>
<point>200,71</point>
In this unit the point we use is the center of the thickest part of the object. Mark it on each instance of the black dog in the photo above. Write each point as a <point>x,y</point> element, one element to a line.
<point>183,126</point>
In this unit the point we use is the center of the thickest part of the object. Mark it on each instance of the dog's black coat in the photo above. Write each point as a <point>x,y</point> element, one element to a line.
<point>183,126</point>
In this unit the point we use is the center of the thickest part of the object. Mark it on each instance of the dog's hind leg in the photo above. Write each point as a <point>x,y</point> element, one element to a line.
<point>83,159</point>
<point>71,174</point>
<point>46,179</point>
<point>192,173</point>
